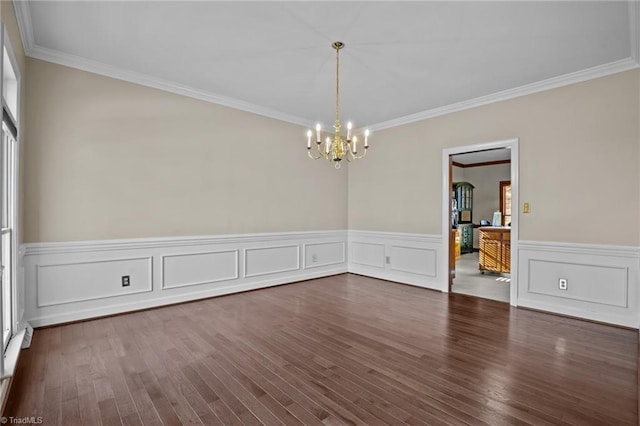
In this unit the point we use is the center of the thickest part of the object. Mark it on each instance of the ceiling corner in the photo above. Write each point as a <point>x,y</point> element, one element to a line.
<point>23,16</point>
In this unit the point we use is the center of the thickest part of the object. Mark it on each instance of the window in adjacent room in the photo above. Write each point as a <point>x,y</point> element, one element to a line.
<point>505,202</point>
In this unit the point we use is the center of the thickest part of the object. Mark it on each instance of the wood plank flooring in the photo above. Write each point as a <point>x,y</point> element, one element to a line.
<point>342,350</point>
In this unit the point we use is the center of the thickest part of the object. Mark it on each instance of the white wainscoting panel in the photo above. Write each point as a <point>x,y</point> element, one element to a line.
<point>602,280</point>
<point>186,269</point>
<point>405,258</point>
<point>271,260</point>
<point>324,254</point>
<point>367,254</point>
<point>62,283</point>
<point>421,261</point>
<point>79,280</point>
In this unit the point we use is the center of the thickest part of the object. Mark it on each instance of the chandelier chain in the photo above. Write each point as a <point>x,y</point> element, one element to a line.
<point>337,87</point>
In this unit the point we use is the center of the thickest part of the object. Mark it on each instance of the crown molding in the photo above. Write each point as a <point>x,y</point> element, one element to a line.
<point>25,26</point>
<point>528,89</point>
<point>23,16</point>
<point>100,68</point>
<point>634,30</point>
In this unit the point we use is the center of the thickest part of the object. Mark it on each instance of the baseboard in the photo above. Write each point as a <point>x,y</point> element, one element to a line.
<point>603,279</point>
<point>79,280</point>
<point>401,257</point>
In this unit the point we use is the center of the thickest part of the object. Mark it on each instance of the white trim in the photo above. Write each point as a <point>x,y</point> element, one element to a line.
<point>511,144</point>
<point>25,25</point>
<point>16,255</point>
<point>23,16</point>
<point>183,288</point>
<point>189,284</point>
<point>147,289</point>
<point>542,263</point>
<point>380,265</point>
<point>74,315</point>
<point>578,313</point>
<point>422,272</point>
<point>103,69</point>
<point>16,70</point>
<point>31,249</point>
<point>12,353</point>
<point>28,334</point>
<point>275,271</point>
<point>305,246</point>
<point>634,29</point>
<point>581,248</point>
<point>411,270</point>
<point>423,238</point>
<point>527,89</point>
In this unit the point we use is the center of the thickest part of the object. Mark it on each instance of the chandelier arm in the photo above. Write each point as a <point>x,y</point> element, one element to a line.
<point>311,156</point>
<point>321,152</point>
<point>357,157</point>
<point>326,155</point>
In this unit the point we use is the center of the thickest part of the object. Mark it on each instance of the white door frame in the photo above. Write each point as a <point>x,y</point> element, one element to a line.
<point>511,144</point>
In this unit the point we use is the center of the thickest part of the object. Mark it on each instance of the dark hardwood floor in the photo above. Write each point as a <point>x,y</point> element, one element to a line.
<point>340,350</point>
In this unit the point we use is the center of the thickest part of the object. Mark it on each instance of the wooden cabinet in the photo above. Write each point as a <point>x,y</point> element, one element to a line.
<point>495,249</point>
<point>454,252</point>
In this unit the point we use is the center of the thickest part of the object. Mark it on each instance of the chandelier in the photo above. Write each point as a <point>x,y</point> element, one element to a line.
<point>338,147</point>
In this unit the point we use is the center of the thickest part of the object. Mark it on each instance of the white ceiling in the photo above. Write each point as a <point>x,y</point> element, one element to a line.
<point>275,58</point>
<point>500,154</point>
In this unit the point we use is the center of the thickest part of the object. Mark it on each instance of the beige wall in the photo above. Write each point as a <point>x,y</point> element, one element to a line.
<point>486,194</point>
<point>109,159</point>
<point>457,174</point>
<point>579,162</point>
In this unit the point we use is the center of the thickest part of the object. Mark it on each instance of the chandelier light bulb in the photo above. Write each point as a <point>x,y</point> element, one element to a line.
<point>309,133</point>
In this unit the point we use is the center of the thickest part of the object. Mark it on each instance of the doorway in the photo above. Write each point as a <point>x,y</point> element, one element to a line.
<point>483,241</point>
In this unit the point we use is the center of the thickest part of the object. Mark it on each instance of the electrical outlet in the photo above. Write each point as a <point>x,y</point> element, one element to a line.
<point>388,260</point>
<point>563,283</point>
<point>126,281</point>
<point>314,258</point>
<point>526,208</point>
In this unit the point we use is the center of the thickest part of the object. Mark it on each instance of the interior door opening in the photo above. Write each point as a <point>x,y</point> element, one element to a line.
<point>479,229</point>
